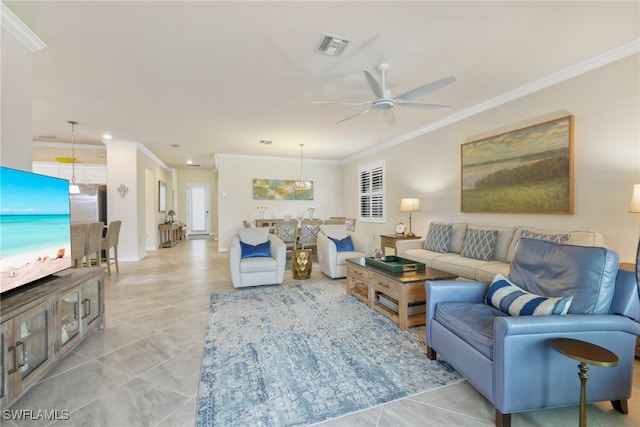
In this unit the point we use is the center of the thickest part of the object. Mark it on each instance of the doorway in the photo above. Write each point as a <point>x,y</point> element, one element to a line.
<point>150,203</point>
<point>198,208</point>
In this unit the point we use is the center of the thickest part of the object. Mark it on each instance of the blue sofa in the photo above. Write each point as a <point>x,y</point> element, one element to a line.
<point>510,359</point>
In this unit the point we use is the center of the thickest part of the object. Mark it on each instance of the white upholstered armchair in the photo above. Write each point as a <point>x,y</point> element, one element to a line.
<point>332,260</point>
<point>253,264</point>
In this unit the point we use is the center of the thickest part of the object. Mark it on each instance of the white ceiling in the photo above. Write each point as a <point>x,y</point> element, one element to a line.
<point>217,77</point>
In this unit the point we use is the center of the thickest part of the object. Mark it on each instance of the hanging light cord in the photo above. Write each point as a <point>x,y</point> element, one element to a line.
<point>301,164</point>
<point>73,151</point>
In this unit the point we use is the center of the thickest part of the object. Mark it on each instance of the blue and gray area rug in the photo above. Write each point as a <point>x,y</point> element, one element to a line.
<point>305,353</point>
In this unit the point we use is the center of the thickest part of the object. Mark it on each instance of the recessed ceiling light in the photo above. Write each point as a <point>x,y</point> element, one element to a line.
<point>106,136</point>
<point>189,162</point>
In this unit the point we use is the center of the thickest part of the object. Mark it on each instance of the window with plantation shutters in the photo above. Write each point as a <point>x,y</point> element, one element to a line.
<point>371,192</point>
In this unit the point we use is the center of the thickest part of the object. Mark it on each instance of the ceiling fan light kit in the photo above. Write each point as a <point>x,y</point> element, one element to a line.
<point>385,102</point>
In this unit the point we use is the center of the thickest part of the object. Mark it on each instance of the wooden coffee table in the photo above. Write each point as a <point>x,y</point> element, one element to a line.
<point>367,283</point>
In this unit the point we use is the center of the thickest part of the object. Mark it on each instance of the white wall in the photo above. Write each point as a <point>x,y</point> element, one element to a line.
<point>605,104</point>
<point>235,190</point>
<point>122,169</point>
<point>149,172</point>
<point>16,134</point>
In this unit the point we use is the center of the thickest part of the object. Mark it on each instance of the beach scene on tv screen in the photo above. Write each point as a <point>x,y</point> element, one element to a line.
<point>34,227</point>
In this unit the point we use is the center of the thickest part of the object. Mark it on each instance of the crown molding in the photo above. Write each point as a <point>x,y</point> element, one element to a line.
<point>601,60</point>
<point>140,147</point>
<point>274,158</point>
<point>19,30</point>
<point>47,144</point>
<point>143,148</point>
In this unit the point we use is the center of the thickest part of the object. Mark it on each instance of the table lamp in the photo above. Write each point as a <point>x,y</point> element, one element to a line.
<point>635,208</point>
<point>410,205</point>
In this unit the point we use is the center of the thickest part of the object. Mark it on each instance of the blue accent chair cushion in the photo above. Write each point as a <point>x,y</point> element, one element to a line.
<point>255,251</point>
<point>513,300</point>
<point>344,245</point>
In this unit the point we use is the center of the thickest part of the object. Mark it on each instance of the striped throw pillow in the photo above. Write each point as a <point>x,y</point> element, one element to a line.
<point>515,301</point>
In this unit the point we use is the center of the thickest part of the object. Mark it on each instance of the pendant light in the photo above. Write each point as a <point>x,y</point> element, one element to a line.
<point>73,187</point>
<point>301,184</point>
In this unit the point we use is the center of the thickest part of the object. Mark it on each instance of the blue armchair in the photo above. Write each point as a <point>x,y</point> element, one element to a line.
<point>510,359</point>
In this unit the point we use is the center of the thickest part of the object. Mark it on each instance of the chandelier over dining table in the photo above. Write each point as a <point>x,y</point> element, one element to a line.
<point>301,184</point>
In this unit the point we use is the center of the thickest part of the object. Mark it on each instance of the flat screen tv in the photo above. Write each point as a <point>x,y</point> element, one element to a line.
<point>35,227</point>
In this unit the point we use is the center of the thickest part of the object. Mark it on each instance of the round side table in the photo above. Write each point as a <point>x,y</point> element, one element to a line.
<point>584,352</point>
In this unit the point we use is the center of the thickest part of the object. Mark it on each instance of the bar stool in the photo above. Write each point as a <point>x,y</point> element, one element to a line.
<point>111,241</point>
<point>94,243</point>
<point>79,235</point>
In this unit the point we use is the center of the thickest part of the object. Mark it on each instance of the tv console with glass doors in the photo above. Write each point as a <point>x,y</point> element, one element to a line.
<point>42,322</point>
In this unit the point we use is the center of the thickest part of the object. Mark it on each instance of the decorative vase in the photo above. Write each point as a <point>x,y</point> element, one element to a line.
<point>311,210</point>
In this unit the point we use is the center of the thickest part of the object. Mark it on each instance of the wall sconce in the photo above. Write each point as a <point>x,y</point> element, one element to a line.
<point>122,190</point>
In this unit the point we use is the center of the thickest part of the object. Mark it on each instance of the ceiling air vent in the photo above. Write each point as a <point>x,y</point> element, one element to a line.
<point>332,45</point>
<point>192,165</point>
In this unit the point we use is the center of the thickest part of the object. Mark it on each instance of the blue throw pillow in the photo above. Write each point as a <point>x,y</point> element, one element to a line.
<point>255,251</point>
<point>344,245</point>
<point>511,299</point>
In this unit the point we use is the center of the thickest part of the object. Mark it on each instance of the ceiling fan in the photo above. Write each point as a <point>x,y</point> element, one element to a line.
<point>385,103</point>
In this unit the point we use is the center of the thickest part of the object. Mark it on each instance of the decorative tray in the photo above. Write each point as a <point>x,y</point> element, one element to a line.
<point>395,264</point>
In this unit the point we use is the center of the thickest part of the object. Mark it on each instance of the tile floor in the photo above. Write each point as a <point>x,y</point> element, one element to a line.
<point>143,369</point>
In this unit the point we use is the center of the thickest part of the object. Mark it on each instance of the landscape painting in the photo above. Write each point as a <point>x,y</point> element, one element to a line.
<point>279,189</point>
<point>284,190</point>
<point>263,189</point>
<point>528,170</point>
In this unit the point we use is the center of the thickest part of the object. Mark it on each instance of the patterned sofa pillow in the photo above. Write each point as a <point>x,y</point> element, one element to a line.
<point>438,237</point>
<point>511,299</point>
<point>561,238</point>
<point>479,244</point>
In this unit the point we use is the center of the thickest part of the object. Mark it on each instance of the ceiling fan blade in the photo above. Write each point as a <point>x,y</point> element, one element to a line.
<point>354,116</point>
<point>423,90</point>
<point>373,84</point>
<point>389,117</point>
<point>412,106</point>
<point>341,103</point>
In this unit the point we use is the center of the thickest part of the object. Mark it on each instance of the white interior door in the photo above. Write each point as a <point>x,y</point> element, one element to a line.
<point>198,208</point>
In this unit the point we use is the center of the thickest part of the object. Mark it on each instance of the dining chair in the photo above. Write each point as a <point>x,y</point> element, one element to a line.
<point>79,235</point>
<point>111,241</point>
<point>287,231</point>
<point>94,243</point>
<point>309,233</point>
<point>334,220</point>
